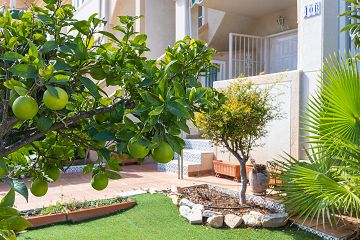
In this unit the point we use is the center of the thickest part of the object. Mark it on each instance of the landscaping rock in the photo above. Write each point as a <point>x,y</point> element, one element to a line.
<point>175,199</point>
<point>216,221</point>
<point>274,220</point>
<point>175,189</point>
<point>152,191</point>
<point>233,221</point>
<point>186,202</point>
<point>253,219</point>
<point>185,211</point>
<point>209,213</point>
<point>198,207</point>
<point>195,217</point>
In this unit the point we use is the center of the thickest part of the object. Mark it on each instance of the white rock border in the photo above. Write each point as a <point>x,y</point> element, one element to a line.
<point>267,203</point>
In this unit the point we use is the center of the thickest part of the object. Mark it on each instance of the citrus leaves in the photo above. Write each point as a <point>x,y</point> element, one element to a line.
<point>91,86</point>
<point>177,109</point>
<point>10,219</point>
<point>24,70</point>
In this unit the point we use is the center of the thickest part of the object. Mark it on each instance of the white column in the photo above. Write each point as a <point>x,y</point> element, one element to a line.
<point>182,19</point>
<point>318,38</point>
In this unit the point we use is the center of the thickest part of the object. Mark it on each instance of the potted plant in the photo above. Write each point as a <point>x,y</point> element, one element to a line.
<point>259,178</point>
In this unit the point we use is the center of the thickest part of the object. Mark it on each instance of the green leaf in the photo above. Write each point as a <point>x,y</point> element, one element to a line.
<point>44,123</point>
<point>157,111</point>
<point>7,235</point>
<point>12,56</point>
<point>20,187</point>
<point>3,168</point>
<point>109,35</point>
<point>178,109</point>
<point>10,84</point>
<point>49,46</point>
<point>91,86</point>
<point>98,73</point>
<point>9,199</point>
<point>112,174</point>
<point>6,212</point>
<point>140,39</point>
<point>44,18</point>
<point>105,135</point>
<point>24,70</point>
<point>20,90</point>
<point>60,79</point>
<point>15,223</point>
<point>53,92</point>
<point>88,168</point>
<point>82,26</point>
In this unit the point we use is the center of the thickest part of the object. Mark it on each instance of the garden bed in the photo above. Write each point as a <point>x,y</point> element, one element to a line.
<point>220,202</point>
<point>218,208</point>
<point>76,211</point>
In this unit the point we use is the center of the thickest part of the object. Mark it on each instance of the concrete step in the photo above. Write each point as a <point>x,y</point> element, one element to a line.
<point>172,167</point>
<point>195,156</point>
<point>198,144</point>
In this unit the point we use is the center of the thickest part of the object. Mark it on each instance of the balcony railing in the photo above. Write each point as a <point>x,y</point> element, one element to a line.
<point>246,55</point>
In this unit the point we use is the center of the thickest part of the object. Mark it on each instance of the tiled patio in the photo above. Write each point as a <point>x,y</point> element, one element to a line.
<point>77,185</point>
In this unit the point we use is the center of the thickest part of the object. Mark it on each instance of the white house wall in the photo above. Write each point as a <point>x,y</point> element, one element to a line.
<point>267,25</point>
<point>159,26</point>
<point>283,134</point>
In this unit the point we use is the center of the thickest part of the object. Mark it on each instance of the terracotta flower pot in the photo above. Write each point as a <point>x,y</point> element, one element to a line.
<point>86,214</point>
<point>39,221</point>
<point>259,181</point>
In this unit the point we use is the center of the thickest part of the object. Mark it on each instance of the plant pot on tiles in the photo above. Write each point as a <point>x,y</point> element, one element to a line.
<point>259,178</point>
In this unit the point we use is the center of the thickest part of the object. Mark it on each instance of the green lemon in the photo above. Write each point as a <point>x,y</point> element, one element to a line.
<point>39,187</point>
<point>137,150</point>
<point>163,153</point>
<point>25,107</point>
<point>99,181</point>
<point>56,103</point>
<point>53,173</point>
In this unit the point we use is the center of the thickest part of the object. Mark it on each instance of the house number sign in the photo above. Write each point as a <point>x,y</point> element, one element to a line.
<point>313,9</point>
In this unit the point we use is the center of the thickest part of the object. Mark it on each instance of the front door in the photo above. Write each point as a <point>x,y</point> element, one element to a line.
<point>283,53</point>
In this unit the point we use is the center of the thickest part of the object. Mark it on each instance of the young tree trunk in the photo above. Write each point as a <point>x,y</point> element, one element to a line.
<point>243,182</point>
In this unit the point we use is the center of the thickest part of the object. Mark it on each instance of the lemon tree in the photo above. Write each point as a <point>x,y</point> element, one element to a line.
<point>53,108</point>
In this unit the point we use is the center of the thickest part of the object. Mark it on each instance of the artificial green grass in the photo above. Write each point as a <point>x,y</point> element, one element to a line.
<point>155,218</point>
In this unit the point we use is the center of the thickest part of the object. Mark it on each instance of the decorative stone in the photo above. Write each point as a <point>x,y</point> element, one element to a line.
<point>195,217</point>
<point>209,213</point>
<point>233,221</point>
<point>253,219</point>
<point>216,221</point>
<point>198,207</point>
<point>152,190</point>
<point>185,211</point>
<point>274,220</point>
<point>173,189</point>
<point>186,202</point>
<point>175,199</point>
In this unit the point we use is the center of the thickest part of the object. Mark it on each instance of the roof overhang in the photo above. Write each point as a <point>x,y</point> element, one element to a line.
<point>250,8</point>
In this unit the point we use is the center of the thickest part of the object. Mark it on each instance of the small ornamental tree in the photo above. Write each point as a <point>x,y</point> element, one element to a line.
<point>53,107</point>
<point>240,122</point>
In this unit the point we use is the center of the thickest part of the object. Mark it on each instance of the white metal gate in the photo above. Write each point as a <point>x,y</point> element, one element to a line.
<point>246,55</point>
<point>252,55</point>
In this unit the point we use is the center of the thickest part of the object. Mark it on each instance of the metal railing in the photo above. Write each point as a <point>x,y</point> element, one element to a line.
<point>246,55</point>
